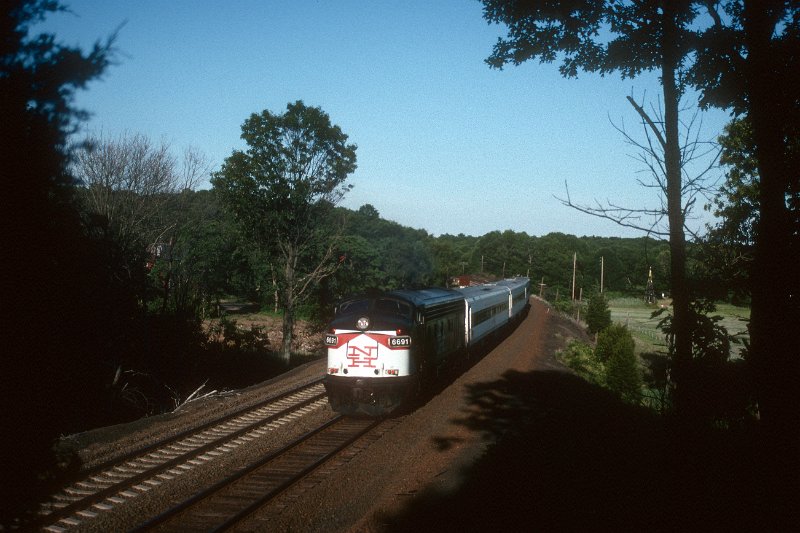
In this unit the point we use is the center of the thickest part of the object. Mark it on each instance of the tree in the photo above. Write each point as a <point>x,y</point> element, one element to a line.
<point>128,181</point>
<point>615,350</point>
<point>627,37</point>
<point>137,195</point>
<point>748,63</point>
<point>361,268</point>
<point>598,315</point>
<point>727,251</point>
<point>49,263</point>
<point>283,189</point>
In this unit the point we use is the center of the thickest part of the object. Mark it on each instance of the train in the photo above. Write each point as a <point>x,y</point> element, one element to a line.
<point>385,350</point>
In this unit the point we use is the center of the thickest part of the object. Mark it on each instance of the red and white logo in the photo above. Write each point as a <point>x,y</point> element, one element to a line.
<point>362,356</point>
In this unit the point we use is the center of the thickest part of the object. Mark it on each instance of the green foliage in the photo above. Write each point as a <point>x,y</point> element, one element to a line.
<point>727,250</point>
<point>611,364</point>
<point>379,254</point>
<point>282,192</point>
<point>598,315</point>
<point>64,302</point>
<point>565,307</point>
<point>503,255</point>
<point>376,253</point>
<point>294,169</point>
<point>212,258</point>
<point>615,350</point>
<point>710,340</point>
<point>719,390</point>
<point>581,358</point>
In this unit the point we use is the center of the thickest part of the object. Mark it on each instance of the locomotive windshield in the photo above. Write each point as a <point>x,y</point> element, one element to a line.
<point>380,306</point>
<point>353,307</point>
<point>393,307</point>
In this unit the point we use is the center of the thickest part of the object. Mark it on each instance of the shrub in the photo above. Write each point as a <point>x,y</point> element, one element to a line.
<point>580,357</point>
<point>565,307</point>
<point>615,350</point>
<point>598,315</point>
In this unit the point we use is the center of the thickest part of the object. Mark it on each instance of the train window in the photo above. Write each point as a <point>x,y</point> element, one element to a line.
<point>393,307</point>
<point>353,307</point>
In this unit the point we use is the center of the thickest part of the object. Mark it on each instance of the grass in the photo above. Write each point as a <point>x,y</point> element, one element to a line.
<point>734,319</point>
<point>636,314</point>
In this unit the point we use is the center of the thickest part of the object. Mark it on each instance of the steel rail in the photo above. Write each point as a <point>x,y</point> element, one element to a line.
<point>248,508</point>
<point>89,500</point>
<point>107,465</point>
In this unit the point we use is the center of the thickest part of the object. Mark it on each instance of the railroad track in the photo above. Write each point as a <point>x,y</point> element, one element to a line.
<point>242,494</point>
<point>109,485</point>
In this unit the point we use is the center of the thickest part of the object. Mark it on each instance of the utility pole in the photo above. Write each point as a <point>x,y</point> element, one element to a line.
<point>574,265</point>
<point>602,273</point>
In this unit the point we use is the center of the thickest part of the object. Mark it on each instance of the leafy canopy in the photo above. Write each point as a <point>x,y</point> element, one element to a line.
<point>283,189</point>
<point>590,35</point>
<point>296,163</point>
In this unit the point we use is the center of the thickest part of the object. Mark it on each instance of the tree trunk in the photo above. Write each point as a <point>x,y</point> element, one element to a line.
<point>774,346</point>
<point>677,241</point>
<point>275,293</point>
<point>288,332</point>
<point>288,303</point>
<point>773,319</point>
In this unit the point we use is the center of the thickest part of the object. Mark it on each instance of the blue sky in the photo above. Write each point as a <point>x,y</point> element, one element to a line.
<point>445,143</point>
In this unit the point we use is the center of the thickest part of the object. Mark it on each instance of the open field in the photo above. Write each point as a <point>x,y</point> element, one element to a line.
<point>636,314</point>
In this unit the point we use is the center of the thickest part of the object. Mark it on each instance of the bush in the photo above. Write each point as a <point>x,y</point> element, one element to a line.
<point>615,350</point>
<point>598,315</point>
<point>565,307</point>
<point>580,357</point>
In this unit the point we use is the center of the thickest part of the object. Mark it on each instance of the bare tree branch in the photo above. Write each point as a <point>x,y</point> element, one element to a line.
<point>650,154</point>
<point>649,121</point>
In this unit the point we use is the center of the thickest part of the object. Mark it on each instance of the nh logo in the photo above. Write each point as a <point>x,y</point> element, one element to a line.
<point>361,356</point>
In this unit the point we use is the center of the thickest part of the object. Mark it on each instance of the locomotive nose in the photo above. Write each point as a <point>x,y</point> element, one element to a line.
<point>364,395</point>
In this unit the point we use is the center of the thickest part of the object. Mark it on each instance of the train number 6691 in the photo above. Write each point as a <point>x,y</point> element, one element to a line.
<point>399,342</point>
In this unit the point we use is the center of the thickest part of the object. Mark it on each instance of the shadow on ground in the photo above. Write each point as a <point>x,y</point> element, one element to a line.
<point>570,456</point>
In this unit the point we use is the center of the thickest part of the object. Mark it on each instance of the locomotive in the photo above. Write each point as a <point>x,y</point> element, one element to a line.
<point>384,350</point>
